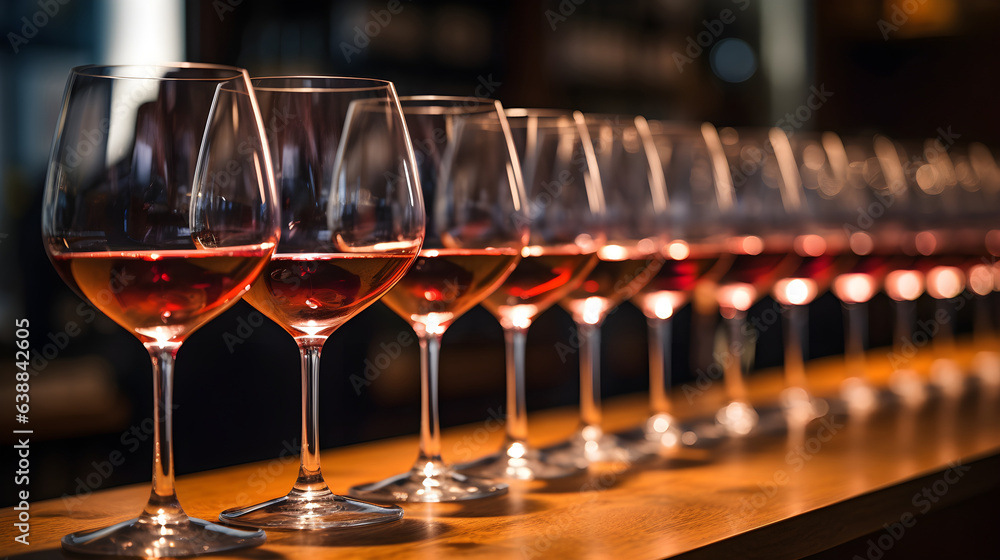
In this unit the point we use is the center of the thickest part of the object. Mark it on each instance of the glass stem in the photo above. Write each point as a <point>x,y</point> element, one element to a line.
<point>903,332</point>
<point>857,333</point>
<point>163,497</point>
<point>310,478</point>
<point>796,323</point>
<point>430,427</point>
<point>944,340</point>
<point>735,383</point>
<point>982,327</point>
<point>517,413</point>
<point>659,364</point>
<point>590,374</point>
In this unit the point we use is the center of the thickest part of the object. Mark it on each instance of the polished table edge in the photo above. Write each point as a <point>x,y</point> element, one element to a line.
<point>825,527</point>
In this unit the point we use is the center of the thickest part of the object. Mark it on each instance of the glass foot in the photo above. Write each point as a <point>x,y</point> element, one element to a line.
<point>799,407</point>
<point>947,376</point>
<point>310,510</point>
<point>737,418</point>
<point>152,537</point>
<point>986,367</point>
<point>518,461</point>
<point>429,481</point>
<point>861,397</point>
<point>591,445</point>
<point>663,430</point>
<point>908,386</point>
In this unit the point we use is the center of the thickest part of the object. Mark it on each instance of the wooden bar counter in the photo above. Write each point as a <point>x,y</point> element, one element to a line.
<point>853,484</point>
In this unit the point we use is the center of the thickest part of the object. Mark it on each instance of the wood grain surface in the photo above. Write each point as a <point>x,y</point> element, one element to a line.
<point>770,495</point>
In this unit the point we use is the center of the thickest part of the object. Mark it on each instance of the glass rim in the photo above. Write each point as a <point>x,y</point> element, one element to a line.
<point>675,128</point>
<point>374,84</point>
<point>92,71</point>
<point>449,105</point>
<point>544,118</point>
<point>523,112</point>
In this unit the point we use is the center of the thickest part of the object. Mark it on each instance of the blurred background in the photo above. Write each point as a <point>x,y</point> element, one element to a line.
<point>909,69</point>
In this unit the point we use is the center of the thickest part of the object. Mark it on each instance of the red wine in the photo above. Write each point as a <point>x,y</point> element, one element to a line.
<point>671,288</point>
<point>612,281</point>
<point>445,283</point>
<point>162,295</point>
<point>311,294</point>
<point>540,279</point>
<point>760,270</point>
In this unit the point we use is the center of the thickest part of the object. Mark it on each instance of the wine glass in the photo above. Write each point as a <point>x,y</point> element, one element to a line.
<point>566,207</point>
<point>819,164</point>
<point>636,207</point>
<point>160,210</point>
<point>760,228</point>
<point>954,210</point>
<point>354,223</point>
<point>477,225</point>
<point>978,175</point>
<point>878,238</point>
<point>692,254</point>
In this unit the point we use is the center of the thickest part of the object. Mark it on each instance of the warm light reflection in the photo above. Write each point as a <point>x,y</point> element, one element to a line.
<point>737,296</point>
<point>795,291</point>
<point>645,246</point>
<point>810,245</point>
<point>904,285</point>
<point>678,250</point>
<point>861,243</point>
<point>928,179</point>
<point>532,251</point>
<point>517,316</point>
<point>432,323</point>
<point>981,279</point>
<point>749,245</point>
<point>854,288</point>
<point>663,308</point>
<point>593,308</point>
<point>738,418</point>
<point>945,282</point>
<point>993,242</point>
<point>926,242</point>
<point>516,450</point>
<point>613,253</point>
<point>661,304</point>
